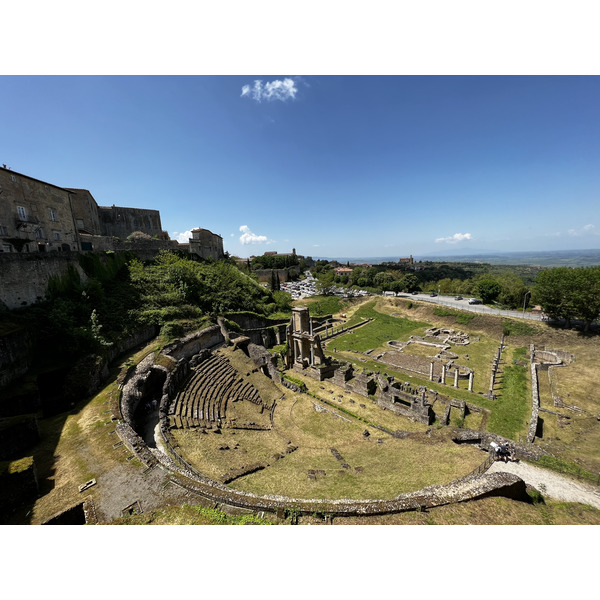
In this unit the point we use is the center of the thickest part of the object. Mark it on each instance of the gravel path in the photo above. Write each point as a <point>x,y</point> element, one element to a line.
<point>551,484</point>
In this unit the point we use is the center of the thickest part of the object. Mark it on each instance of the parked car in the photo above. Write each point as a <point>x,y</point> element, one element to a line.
<point>433,294</point>
<point>458,297</point>
<point>415,293</point>
<point>474,301</point>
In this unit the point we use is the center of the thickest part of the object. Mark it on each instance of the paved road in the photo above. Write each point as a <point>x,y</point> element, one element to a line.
<point>478,308</point>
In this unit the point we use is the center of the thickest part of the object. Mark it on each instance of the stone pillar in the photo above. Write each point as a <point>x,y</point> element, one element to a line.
<point>443,373</point>
<point>312,356</point>
<point>431,371</point>
<point>471,381</point>
<point>456,377</point>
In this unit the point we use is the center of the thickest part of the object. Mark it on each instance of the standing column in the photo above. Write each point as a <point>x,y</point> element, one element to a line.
<point>471,381</point>
<point>431,371</point>
<point>456,377</point>
<point>443,373</point>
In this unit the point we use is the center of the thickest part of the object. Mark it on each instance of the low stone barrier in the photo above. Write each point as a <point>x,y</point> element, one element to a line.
<point>535,403</point>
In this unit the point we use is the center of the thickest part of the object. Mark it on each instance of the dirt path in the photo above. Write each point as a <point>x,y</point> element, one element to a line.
<point>551,484</point>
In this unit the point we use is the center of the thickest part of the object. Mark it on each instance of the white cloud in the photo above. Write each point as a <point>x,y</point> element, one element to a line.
<point>585,230</point>
<point>271,90</point>
<point>248,237</point>
<point>453,239</point>
<point>183,238</point>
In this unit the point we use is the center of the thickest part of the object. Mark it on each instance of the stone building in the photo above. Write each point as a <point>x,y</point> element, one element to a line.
<point>206,244</point>
<point>35,216</point>
<point>120,222</point>
<point>85,212</point>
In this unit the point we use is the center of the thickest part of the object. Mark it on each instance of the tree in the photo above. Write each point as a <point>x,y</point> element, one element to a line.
<point>586,297</point>
<point>513,292</point>
<point>396,286</point>
<point>410,283</point>
<point>488,290</point>
<point>383,280</point>
<point>555,292</point>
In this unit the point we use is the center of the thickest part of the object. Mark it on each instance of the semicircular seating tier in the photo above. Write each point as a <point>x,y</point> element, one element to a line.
<point>206,394</point>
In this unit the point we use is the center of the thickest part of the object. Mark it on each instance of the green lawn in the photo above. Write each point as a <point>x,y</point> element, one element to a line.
<point>376,333</point>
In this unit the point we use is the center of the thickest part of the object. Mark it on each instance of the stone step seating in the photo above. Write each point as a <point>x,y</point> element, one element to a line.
<point>206,393</point>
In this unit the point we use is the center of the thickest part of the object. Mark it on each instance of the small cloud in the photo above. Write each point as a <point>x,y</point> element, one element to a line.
<point>554,234</point>
<point>585,230</point>
<point>271,90</point>
<point>248,237</point>
<point>183,238</point>
<point>454,239</point>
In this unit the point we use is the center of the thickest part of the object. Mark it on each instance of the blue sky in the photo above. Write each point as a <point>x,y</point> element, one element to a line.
<point>330,165</point>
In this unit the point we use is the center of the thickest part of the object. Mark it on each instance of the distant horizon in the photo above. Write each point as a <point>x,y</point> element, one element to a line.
<point>521,257</point>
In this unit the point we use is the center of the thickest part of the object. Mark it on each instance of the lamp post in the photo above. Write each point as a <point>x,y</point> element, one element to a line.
<point>525,302</point>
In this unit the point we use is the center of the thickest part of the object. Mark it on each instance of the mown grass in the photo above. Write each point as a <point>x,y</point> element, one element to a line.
<point>513,406</point>
<point>322,305</point>
<point>375,334</point>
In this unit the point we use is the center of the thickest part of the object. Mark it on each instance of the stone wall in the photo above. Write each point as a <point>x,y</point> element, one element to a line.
<point>85,211</point>
<point>120,221</point>
<point>144,249</point>
<point>192,344</point>
<point>259,329</point>
<point>535,397</point>
<point>24,277</point>
<point>15,355</point>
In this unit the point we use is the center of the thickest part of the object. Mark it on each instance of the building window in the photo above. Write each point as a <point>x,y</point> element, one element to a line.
<point>39,233</point>
<point>13,178</point>
<point>3,230</point>
<point>6,248</point>
<point>56,235</point>
<point>53,215</point>
<point>79,223</point>
<point>22,213</point>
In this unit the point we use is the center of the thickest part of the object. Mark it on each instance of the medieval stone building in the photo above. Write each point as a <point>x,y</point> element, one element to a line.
<point>206,244</point>
<point>35,216</point>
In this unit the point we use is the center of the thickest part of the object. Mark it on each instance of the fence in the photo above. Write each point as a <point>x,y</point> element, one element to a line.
<point>484,466</point>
